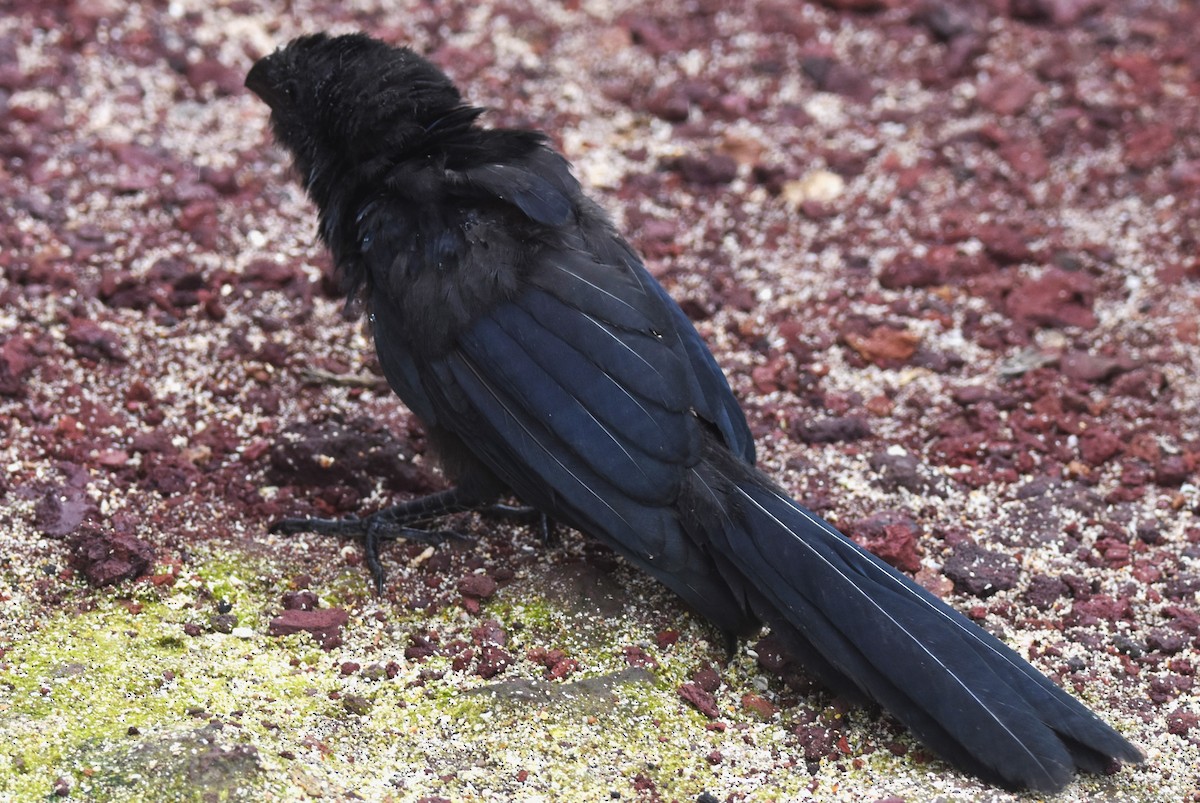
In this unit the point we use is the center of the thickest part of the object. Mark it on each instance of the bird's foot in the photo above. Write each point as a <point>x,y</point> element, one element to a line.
<point>389,524</point>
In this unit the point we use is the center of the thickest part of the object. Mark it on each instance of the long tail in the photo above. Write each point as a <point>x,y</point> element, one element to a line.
<point>864,627</point>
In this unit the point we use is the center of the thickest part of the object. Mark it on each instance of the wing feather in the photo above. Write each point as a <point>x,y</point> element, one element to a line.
<point>567,418</point>
<point>639,422</point>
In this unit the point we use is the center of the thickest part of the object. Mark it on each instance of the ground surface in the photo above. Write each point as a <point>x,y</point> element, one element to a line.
<point>946,252</point>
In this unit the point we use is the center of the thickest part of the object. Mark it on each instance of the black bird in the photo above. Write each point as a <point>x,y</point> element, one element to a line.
<point>547,364</point>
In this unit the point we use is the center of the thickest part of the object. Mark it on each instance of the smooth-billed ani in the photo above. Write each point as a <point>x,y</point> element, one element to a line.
<point>547,364</point>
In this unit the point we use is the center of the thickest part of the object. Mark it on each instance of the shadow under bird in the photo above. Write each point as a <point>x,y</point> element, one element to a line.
<point>548,365</point>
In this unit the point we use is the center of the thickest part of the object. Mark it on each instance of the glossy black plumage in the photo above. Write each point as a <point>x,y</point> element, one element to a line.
<point>548,364</point>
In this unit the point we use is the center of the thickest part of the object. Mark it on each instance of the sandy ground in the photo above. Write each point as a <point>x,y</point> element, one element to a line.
<point>947,254</point>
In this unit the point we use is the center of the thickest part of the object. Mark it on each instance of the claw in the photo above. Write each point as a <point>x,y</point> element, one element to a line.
<point>549,531</point>
<point>371,553</point>
<point>379,529</point>
<point>347,527</point>
<point>388,525</point>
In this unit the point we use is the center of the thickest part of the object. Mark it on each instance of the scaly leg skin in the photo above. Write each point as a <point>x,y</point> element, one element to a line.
<point>389,524</point>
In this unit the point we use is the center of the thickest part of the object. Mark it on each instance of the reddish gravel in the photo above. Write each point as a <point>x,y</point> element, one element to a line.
<point>948,254</point>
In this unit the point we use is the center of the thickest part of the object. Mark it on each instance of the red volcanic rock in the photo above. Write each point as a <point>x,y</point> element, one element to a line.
<point>1056,298</point>
<point>108,558</point>
<point>1008,94</point>
<point>16,361</point>
<point>90,340</point>
<point>697,697</point>
<point>1100,608</point>
<point>324,625</point>
<point>1098,445</point>
<point>891,536</point>
<point>493,661</point>
<point>885,346</point>
<point>980,572</point>
<point>909,271</point>
<point>479,586</point>
<point>707,170</point>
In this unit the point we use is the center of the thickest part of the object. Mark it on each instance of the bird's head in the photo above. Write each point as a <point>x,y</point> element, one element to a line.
<point>344,102</point>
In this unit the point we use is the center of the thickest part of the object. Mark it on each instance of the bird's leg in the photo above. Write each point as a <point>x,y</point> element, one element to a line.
<point>389,524</point>
<point>525,514</point>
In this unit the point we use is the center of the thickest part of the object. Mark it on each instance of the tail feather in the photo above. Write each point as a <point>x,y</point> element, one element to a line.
<point>860,624</point>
